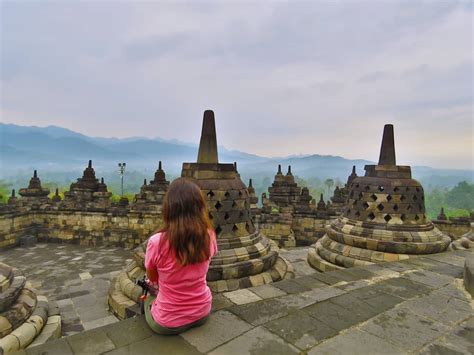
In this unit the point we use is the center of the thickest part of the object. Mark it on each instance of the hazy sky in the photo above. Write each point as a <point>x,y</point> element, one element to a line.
<point>282,77</point>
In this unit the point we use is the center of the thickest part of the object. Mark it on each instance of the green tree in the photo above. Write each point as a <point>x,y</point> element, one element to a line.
<point>461,196</point>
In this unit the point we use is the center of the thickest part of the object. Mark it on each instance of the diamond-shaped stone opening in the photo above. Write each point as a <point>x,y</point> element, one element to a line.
<point>210,194</point>
<point>389,198</point>
<point>403,217</point>
<point>218,205</point>
<point>371,216</point>
<point>395,207</point>
<point>357,185</point>
<point>357,214</point>
<point>396,189</point>
<point>240,193</point>
<point>234,204</point>
<point>241,214</point>
<point>380,207</point>
<point>226,216</point>
<point>235,228</point>
<point>409,208</point>
<point>367,188</point>
<point>415,198</point>
<point>381,188</point>
<point>387,218</point>
<point>417,217</point>
<point>361,195</point>
<point>218,229</point>
<point>227,194</point>
<point>365,205</point>
<point>417,189</point>
<point>402,198</point>
<point>373,197</point>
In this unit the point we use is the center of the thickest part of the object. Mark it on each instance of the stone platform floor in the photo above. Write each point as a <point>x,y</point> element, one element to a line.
<point>78,278</point>
<point>417,306</point>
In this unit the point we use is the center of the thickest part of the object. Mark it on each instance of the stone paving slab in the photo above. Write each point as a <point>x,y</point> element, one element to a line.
<point>398,309</point>
<point>77,277</point>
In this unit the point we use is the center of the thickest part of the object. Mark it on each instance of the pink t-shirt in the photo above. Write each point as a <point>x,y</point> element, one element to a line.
<point>184,296</point>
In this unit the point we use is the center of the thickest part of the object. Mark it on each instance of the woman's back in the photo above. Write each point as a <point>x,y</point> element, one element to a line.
<point>184,296</point>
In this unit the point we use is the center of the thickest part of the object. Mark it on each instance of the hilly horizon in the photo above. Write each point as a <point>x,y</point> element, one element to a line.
<point>58,150</point>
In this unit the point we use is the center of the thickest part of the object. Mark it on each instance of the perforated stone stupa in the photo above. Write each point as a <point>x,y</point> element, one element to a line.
<point>245,258</point>
<point>151,195</point>
<point>383,220</point>
<point>87,193</point>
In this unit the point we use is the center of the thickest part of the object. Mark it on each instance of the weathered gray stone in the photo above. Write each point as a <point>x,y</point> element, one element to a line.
<point>428,278</point>
<point>92,342</point>
<point>223,326</point>
<point>356,342</point>
<point>404,329</point>
<point>267,291</point>
<point>469,274</point>
<point>258,341</point>
<point>301,330</point>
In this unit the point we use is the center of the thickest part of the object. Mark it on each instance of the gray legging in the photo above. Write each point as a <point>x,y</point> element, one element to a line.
<point>159,329</point>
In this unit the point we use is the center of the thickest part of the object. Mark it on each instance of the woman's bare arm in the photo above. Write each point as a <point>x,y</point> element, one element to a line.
<point>152,275</point>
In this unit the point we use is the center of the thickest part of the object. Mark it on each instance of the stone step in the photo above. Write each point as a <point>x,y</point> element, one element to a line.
<point>16,284</point>
<point>19,311</point>
<point>6,277</point>
<point>26,329</point>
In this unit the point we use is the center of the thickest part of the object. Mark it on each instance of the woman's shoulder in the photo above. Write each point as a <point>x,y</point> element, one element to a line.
<point>155,238</point>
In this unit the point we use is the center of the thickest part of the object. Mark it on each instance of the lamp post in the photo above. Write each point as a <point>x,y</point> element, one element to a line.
<point>122,171</point>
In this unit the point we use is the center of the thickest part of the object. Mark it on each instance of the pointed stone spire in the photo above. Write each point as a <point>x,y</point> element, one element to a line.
<point>279,169</point>
<point>250,183</point>
<point>387,150</point>
<point>144,182</point>
<point>289,170</point>
<point>159,165</point>
<point>321,204</point>
<point>235,166</point>
<point>90,164</point>
<point>102,180</point>
<point>208,144</point>
<point>56,197</point>
<point>35,174</point>
<point>442,215</point>
<point>12,200</point>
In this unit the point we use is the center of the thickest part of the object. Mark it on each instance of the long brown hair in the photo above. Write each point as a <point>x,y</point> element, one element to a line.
<point>186,222</point>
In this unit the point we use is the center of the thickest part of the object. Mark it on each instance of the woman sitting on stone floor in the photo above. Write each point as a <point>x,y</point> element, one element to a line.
<point>177,258</point>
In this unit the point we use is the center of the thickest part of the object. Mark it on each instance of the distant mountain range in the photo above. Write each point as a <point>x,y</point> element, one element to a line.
<point>55,149</point>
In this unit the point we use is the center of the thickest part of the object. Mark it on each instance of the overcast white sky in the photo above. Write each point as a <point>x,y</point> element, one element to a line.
<point>282,77</point>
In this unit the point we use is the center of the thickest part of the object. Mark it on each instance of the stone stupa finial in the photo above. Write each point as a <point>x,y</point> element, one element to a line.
<point>35,174</point>
<point>208,144</point>
<point>279,169</point>
<point>289,170</point>
<point>387,150</point>
<point>250,183</point>
<point>90,164</point>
